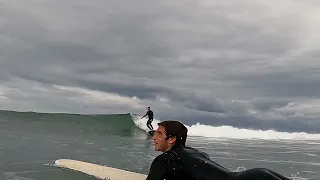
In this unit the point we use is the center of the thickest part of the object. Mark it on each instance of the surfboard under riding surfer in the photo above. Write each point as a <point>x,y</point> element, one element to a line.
<point>150,118</point>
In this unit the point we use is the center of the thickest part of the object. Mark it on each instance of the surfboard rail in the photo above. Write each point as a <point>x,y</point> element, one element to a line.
<point>99,171</point>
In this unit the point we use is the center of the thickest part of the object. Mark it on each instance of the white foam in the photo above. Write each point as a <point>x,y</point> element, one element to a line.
<point>232,132</point>
<point>237,133</point>
<point>142,123</point>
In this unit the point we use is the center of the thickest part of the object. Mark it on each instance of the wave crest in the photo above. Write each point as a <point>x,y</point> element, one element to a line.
<point>231,132</point>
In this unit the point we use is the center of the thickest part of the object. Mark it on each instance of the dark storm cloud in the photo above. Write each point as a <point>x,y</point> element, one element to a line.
<point>268,104</point>
<point>239,63</point>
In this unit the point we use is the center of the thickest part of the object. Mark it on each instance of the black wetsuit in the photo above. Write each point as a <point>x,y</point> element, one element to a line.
<point>150,119</point>
<point>187,163</point>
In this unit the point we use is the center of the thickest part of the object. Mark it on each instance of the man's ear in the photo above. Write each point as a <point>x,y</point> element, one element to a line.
<point>172,140</point>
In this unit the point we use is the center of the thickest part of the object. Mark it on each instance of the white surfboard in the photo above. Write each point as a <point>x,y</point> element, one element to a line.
<point>99,171</point>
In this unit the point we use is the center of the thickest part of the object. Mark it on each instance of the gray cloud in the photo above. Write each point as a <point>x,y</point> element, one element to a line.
<point>242,64</point>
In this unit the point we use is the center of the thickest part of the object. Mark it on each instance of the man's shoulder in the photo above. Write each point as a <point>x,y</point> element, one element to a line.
<point>193,152</point>
<point>168,156</point>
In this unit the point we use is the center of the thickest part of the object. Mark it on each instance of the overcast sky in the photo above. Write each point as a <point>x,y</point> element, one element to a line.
<point>244,63</point>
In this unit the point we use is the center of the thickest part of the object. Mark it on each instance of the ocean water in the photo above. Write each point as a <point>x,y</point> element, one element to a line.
<point>31,142</point>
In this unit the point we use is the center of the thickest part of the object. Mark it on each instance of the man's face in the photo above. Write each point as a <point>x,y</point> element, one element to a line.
<point>160,142</point>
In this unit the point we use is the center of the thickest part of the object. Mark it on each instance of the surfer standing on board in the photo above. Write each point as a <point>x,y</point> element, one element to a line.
<point>150,118</point>
<point>179,161</point>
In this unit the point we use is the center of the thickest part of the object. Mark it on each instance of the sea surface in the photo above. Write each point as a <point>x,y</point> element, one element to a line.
<point>31,142</point>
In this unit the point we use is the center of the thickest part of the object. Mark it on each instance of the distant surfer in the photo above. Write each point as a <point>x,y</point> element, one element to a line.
<point>150,118</point>
<point>179,161</point>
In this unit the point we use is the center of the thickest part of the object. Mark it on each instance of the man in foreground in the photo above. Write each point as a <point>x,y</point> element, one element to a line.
<point>150,118</point>
<point>181,162</point>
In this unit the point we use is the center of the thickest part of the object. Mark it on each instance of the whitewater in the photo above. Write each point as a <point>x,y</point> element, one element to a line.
<point>208,131</point>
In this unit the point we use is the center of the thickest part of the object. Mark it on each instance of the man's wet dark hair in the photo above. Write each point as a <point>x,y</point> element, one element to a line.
<point>175,129</point>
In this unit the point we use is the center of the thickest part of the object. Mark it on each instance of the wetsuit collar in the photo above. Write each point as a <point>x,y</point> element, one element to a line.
<point>177,146</point>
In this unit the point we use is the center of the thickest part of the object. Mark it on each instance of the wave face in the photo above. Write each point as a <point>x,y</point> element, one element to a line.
<point>233,132</point>
<point>130,124</point>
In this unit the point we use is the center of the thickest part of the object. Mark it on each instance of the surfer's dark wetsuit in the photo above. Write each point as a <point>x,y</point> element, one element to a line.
<point>150,119</point>
<point>187,163</point>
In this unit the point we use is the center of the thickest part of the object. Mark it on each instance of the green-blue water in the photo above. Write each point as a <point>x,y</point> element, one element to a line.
<point>31,142</point>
